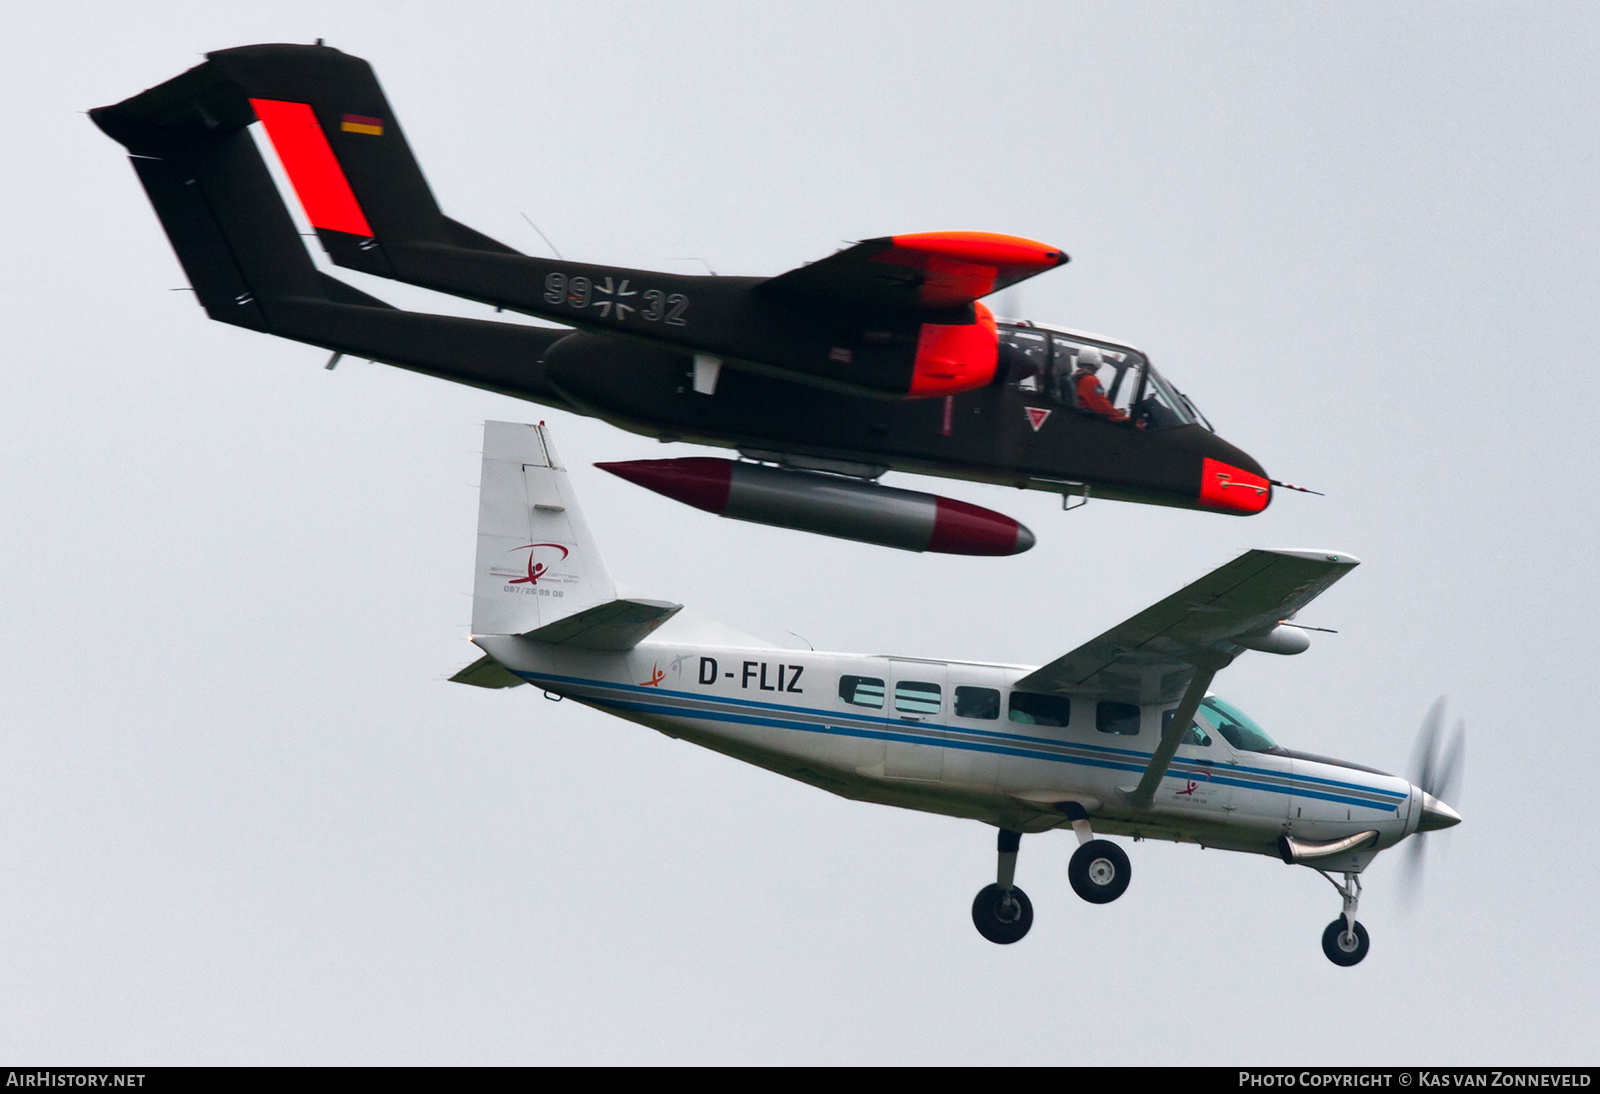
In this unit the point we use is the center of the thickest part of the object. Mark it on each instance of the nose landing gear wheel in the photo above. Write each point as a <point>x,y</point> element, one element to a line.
<point>1099,871</point>
<point>1000,916</point>
<point>1345,948</point>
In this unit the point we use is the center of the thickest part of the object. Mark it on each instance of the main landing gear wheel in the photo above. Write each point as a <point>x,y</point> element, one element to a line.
<point>1099,871</point>
<point>1345,947</point>
<point>1002,916</point>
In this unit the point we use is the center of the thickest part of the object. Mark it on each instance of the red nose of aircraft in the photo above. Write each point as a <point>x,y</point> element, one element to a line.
<point>829,504</point>
<point>1232,489</point>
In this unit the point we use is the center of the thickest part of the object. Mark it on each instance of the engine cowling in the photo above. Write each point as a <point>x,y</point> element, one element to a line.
<point>953,359</point>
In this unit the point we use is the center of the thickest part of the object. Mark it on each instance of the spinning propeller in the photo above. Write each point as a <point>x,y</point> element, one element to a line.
<point>1436,772</point>
<point>1008,305</point>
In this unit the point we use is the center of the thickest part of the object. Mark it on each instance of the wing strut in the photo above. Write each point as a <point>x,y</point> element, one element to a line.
<point>1142,795</point>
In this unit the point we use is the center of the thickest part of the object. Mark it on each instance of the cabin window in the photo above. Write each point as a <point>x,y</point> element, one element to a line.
<point>917,697</point>
<point>1040,710</point>
<point>1046,362</point>
<point>1195,735</point>
<point>1119,718</point>
<point>862,691</point>
<point>977,703</point>
<point>1120,372</point>
<point>1024,358</point>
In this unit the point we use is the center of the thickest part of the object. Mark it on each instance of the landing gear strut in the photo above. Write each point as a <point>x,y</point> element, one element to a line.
<point>1099,870</point>
<point>1002,912</point>
<point>1345,941</point>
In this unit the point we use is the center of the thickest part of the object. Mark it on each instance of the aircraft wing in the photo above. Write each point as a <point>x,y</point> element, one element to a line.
<point>1151,657</point>
<point>919,272</point>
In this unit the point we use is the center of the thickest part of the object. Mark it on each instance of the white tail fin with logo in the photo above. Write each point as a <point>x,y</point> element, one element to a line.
<point>537,561</point>
<point>539,573</point>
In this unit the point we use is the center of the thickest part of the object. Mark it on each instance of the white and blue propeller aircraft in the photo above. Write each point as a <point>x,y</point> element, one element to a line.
<point>1120,736</point>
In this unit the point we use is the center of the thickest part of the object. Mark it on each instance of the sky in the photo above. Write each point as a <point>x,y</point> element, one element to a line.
<point>244,818</point>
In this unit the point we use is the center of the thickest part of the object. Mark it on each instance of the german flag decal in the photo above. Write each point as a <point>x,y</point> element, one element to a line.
<point>359,123</point>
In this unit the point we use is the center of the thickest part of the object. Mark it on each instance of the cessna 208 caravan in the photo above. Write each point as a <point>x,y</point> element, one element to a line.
<point>880,357</point>
<point>1120,736</point>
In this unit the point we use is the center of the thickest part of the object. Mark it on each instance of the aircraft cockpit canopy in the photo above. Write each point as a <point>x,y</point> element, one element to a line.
<point>1054,365</point>
<point>1235,726</point>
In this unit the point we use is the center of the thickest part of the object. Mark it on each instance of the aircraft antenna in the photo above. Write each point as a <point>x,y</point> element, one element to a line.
<point>542,236</point>
<point>695,258</point>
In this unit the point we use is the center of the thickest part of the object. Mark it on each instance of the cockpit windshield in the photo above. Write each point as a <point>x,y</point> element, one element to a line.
<point>1164,406</point>
<point>1094,378</point>
<point>1236,727</point>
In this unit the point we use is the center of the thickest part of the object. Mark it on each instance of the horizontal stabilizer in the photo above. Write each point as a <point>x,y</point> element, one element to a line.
<point>486,672</point>
<point>618,625</point>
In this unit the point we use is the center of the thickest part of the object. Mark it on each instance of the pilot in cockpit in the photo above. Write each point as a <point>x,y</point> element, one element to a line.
<point>1088,395</point>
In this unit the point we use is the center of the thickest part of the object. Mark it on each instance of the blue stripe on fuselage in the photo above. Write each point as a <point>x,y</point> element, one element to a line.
<point>1008,744</point>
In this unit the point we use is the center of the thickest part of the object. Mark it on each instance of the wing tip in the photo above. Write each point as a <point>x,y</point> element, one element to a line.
<point>1338,558</point>
<point>983,247</point>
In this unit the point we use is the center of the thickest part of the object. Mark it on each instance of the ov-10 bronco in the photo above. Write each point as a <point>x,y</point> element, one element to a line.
<point>881,356</point>
<point>1120,736</point>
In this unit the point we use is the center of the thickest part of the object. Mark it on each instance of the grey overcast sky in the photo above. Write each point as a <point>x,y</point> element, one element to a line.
<point>243,817</point>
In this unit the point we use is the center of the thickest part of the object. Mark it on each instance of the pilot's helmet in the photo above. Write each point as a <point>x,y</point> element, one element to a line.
<point>1089,358</point>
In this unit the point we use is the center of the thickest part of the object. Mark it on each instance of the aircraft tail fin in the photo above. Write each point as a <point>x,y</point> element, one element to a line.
<point>333,131</point>
<point>190,146</point>
<point>216,200</point>
<point>346,159</point>
<point>344,152</point>
<point>539,573</point>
